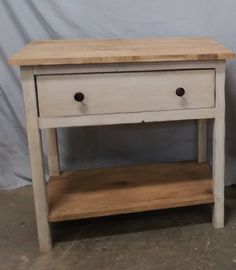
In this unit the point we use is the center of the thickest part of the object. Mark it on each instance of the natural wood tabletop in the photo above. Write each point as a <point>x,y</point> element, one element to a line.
<point>60,52</point>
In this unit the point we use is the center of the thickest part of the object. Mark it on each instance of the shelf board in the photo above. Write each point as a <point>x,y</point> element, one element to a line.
<point>102,192</point>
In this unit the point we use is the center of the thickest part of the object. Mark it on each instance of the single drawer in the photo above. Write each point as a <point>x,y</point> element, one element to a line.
<point>103,93</point>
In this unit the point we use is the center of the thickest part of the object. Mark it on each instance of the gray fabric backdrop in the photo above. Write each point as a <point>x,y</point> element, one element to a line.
<point>25,20</point>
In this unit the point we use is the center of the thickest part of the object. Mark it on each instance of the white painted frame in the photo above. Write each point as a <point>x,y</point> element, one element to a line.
<point>34,124</point>
<point>36,159</point>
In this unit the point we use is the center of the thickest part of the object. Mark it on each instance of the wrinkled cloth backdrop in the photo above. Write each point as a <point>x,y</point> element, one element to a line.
<point>22,21</point>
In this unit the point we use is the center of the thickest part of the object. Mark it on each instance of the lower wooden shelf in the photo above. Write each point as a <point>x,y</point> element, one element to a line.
<point>102,192</point>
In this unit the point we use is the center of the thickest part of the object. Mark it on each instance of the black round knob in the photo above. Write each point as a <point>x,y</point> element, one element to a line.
<point>180,91</point>
<point>79,96</point>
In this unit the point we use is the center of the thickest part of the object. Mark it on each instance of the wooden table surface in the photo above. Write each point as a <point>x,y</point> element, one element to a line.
<point>61,52</point>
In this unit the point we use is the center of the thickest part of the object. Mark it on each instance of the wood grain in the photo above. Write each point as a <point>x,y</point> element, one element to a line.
<point>60,52</point>
<point>101,192</point>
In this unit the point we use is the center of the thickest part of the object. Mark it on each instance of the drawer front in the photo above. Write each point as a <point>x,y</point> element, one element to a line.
<point>125,92</point>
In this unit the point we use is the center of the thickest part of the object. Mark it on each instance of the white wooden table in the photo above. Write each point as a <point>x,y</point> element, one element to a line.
<point>102,82</point>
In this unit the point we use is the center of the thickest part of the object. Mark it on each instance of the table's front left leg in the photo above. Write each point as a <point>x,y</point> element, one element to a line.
<point>36,159</point>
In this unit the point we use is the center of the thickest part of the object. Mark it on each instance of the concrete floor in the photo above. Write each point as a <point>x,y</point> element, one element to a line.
<point>175,239</point>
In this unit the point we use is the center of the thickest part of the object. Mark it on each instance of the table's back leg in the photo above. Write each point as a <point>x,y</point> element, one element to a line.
<point>202,140</point>
<point>219,148</point>
<point>53,154</point>
<point>36,159</point>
